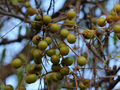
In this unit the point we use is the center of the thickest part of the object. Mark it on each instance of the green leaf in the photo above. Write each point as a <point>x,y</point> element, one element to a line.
<point>59,88</point>
<point>104,63</point>
<point>115,39</point>
<point>2,86</point>
<point>3,56</point>
<point>109,55</point>
<point>116,56</point>
<point>20,29</point>
<point>22,57</point>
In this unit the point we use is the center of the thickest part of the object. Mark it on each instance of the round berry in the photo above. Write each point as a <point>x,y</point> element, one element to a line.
<point>64,70</point>
<point>59,76</point>
<point>71,38</point>
<point>16,63</point>
<point>116,8</point>
<point>56,68</point>
<point>53,76</point>
<point>64,50</point>
<point>116,28</point>
<point>48,40</point>
<point>31,78</point>
<point>46,19</point>
<point>101,22</point>
<point>31,11</point>
<point>27,4</point>
<point>55,59</point>
<point>81,61</point>
<point>64,33</point>
<point>68,61</point>
<point>71,22</point>
<point>50,52</point>
<point>82,86</point>
<point>42,45</point>
<point>38,61</point>
<point>31,69</point>
<point>54,28</point>
<point>70,14</point>
<point>36,39</point>
<point>37,54</point>
<point>38,18</point>
<point>8,87</point>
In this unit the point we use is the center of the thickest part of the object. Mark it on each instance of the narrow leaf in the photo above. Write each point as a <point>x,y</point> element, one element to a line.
<point>115,39</point>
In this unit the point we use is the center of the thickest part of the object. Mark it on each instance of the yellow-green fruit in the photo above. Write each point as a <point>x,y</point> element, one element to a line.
<point>116,28</point>
<point>71,22</point>
<point>54,28</point>
<point>8,87</point>
<point>31,11</point>
<point>42,45</point>
<point>36,39</point>
<point>38,18</point>
<point>101,22</point>
<point>64,70</point>
<point>56,68</point>
<point>93,33</point>
<point>37,54</point>
<point>64,33</point>
<point>48,40</point>
<point>46,19</point>
<point>113,12</point>
<point>61,44</point>
<point>31,78</point>
<point>71,38</point>
<point>53,76</point>
<point>59,76</point>
<point>31,69</point>
<point>27,4</point>
<point>87,34</point>
<point>116,8</point>
<point>115,17</point>
<point>32,50</point>
<point>109,18</point>
<point>82,86</point>
<point>81,61</point>
<point>86,81</point>
<point>70,14</point>
<point>16,63</point>
<point>47,77</point>
<point>94,27</point>
<point>50,52</point>
<point>64,50</point>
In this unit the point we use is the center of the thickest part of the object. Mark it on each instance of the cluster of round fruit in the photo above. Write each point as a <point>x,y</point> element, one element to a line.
<point>60,62</point>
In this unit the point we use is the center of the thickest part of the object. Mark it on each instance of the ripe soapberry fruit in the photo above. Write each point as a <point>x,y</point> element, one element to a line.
<point>59,76</point>
<point>38,18</point>
<point>16,63</point>
<point>8,87</point>
<point>31,11</point>
<point>71,38</point>
<point>42,45</point>
<point>46,19</point>
<point>55,59</point>
<point>116,8</point>
<point>38,61</point>
<point>31,69</point>
<point>27,4</point>
<point>70,14</point>
<point>53,76</point>
<point>64,50</point>
<point>64,70</point>
<point>37,54</point>
<point>50,52</point>
<point>31,78</point>
<point>82,86</point>
<point>56,68</point>
<point>116,28</point>
<point>48,40</point>
<point>64,33</point>
<point>36,39</point>
<point>81,61</point>
<point>54,28</point>
<point>72,22</point>
<point>68,61</point>
<point>109,18</point>
<point>101,22</point>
